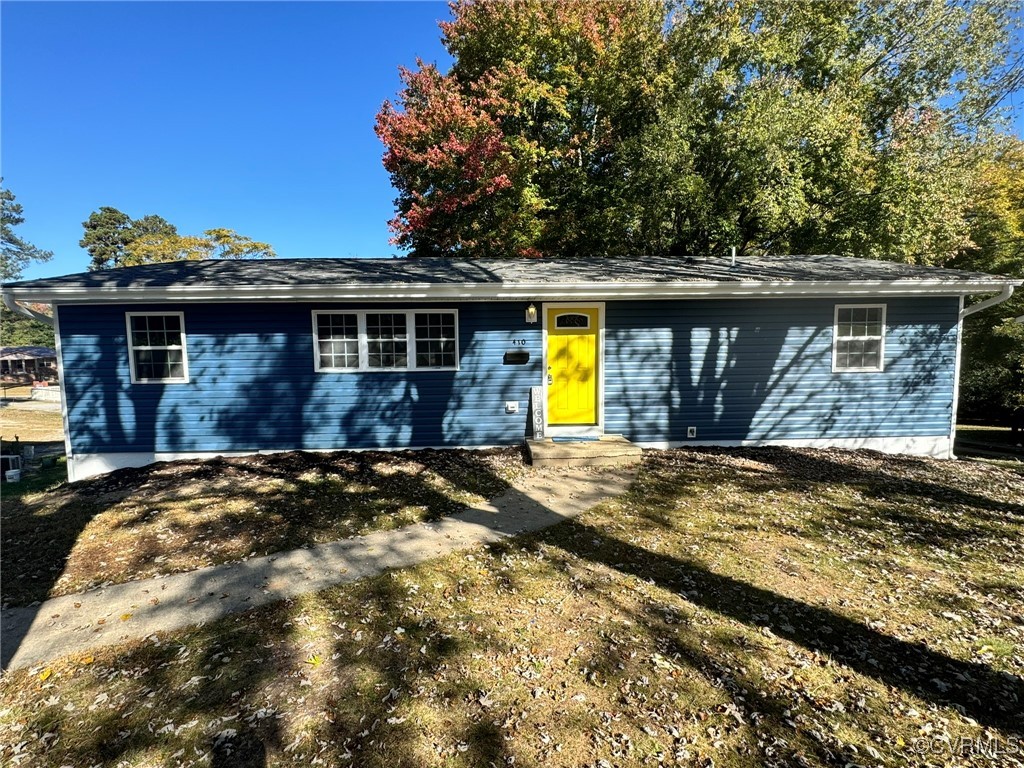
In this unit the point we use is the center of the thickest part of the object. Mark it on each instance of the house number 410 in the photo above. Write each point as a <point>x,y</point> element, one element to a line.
<point>518,342</point>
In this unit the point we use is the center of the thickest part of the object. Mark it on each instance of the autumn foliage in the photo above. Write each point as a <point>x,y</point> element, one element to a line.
<point>502,156</point>
<point>573,127</point>
<point>449,155</point>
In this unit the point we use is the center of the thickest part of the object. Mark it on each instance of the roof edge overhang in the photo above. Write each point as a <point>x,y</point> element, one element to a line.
<point>499,292</point>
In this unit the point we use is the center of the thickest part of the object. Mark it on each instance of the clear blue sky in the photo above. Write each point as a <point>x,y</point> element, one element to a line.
<point>253,116</point>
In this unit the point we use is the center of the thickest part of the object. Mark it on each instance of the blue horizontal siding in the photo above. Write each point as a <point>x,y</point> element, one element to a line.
<point>762,369</point>
<point>252,385</point>
<point>735,369</point>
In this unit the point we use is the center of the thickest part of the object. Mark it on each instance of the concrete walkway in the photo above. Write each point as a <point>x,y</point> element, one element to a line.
<point>74,623</point>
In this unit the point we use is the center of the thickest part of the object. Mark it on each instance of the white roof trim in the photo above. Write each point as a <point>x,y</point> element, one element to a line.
<point>501,291</point>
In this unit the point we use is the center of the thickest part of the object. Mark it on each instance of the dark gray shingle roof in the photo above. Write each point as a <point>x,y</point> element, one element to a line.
<point>434,271</point>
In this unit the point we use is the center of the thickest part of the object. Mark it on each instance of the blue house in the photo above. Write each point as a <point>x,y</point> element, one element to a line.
<point>193,359</point>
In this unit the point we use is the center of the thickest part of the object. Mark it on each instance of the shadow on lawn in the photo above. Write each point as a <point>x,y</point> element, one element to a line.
<point>892,493</point>
<point>891,480</point>
<point>354,713</point>
<point>992,698</point>
<point>353,695</point>
<point>369,728</point>
<point>329,496</point>
<point>36,548</point>
<point>323,488</point>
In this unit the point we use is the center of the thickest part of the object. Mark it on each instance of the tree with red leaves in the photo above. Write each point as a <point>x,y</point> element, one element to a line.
<point>572,127</point>
<point>465,186</point>
<point>515,151</point>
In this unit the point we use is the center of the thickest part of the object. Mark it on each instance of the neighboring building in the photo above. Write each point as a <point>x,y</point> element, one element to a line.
<point>28,363</point>
<point>229,357</point>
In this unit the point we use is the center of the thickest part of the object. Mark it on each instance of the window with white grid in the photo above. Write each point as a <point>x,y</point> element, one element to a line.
<point>156,347</point>
<point>859,337</point>
<point>337,339</point>
<point>391,340</point>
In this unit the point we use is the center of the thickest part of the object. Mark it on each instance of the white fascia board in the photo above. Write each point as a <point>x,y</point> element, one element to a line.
<point>504,292</point>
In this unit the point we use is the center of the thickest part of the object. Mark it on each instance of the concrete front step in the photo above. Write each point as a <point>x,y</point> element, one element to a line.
<point>610,450</point>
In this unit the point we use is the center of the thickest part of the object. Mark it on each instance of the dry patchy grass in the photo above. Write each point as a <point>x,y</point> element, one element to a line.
<point>16,391</point>
<point>31,425</point>
<point>179,516</point>
<point>735,608</point>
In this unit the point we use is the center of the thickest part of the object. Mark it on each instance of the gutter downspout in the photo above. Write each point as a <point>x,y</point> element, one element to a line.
<point>17,309</point>
<point>999,298</point>
<point>991,301</point>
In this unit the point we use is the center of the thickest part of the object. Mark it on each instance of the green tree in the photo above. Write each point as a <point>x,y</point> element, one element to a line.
<point>213,244</point>
<point>992,379</point>
<point>632,128</point>
<point>15,253</point>
<point>109,232</point>
<point>114,239</point>
<point>20,331</point>
<point>832,126</point>
<point>518,150</point>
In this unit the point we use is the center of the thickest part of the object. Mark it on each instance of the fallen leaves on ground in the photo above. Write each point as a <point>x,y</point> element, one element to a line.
<point>735,608</point>
<point>178,516</point>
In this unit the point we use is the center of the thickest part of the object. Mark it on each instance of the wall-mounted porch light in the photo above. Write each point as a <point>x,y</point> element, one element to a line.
<point>531,314</point>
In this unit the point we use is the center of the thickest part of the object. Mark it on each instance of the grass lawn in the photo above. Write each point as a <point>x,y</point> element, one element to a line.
<point>735,608</point>
<point>1001,437</point>
<point>31,425</point>
<point>19,391</point>
<point>178,516</point>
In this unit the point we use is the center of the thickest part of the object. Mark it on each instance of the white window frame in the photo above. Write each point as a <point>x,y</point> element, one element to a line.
<point>360,341</point>
<point>410,328</point>
<point>184,378</point>
<point>881,339</point>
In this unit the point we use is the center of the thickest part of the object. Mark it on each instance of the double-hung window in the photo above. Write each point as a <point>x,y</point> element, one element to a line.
<point>385,340</point>
<point>858,341</point>
<point>435,340</point>
<point>337,339</point>
<point>156,347</point>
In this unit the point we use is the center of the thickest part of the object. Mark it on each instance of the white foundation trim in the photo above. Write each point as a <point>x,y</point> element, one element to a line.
<point>936,447</point>
<point>88,465</point>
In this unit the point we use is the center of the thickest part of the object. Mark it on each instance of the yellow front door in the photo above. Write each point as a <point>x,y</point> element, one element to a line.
<point>572,365</point>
